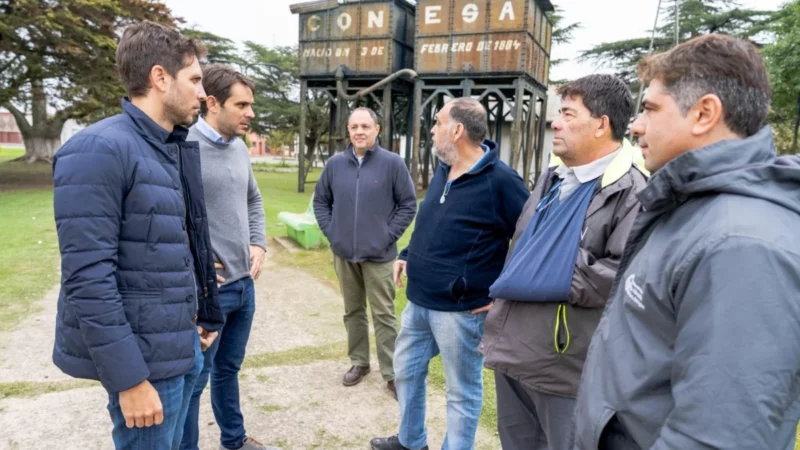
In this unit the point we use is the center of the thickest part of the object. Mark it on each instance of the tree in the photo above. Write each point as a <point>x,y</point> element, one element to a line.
<point>282,138</point>
<point>276,72</point>
<point>696,17</point>
<point>59,56</point>
<point>783,59</point>
<point>219,50</point>
<point>562,34</point>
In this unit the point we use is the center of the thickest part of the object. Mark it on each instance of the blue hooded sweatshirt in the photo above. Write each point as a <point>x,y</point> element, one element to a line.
<point>461,238</point>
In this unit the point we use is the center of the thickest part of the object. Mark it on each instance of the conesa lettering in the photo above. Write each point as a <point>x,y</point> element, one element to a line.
<point>431,16</point>
<point>470,13</point>
<point>375,19</point>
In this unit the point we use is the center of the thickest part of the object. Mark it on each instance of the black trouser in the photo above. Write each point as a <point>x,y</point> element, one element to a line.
<point>615,437</point>
<point>531,420</point>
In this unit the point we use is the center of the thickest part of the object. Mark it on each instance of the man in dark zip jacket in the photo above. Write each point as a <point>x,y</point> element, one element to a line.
<point>137,272</point>
<point>364,201</point>
<point>456,252</point>
<point>699,347</point>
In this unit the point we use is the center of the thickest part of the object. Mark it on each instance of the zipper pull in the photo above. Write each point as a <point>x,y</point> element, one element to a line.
<point>445,192</point>
<point>205,291</point>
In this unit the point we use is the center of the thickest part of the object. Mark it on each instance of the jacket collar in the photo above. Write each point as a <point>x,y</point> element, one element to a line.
<point>616,169</point>
<point>701,170</point>
<point>148,128</point>
<point>350,150</point>
<point>488,160</point>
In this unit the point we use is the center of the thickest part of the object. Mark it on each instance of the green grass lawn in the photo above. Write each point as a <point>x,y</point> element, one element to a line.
<point>279,193</point>
<point>29,254</point>
<point>7,154</point>
<point>319,263</point>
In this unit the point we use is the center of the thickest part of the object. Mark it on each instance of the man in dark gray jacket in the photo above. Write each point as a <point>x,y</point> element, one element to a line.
<point>698,348</point>
<point>536,341</point>
<point>363,202</point>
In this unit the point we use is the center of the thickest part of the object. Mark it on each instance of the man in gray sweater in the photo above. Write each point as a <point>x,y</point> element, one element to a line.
<point>238,239</point>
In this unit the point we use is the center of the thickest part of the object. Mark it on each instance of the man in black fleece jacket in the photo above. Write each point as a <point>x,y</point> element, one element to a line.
<point>363,202</point>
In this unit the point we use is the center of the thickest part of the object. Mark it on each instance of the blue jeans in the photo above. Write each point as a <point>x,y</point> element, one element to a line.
<point>174,394</point>
<point>426,333</point>
<point>223,360</point>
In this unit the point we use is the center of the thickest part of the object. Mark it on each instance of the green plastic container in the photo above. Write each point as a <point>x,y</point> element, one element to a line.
<point>303,227</point>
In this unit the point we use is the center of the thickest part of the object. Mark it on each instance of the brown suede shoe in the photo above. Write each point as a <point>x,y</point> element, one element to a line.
<point>355,375</point>
<point>392,389</point>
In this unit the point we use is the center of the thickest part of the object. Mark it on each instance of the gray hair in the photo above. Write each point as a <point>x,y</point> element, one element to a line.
<point>470,113</point>
<point>371,114</point>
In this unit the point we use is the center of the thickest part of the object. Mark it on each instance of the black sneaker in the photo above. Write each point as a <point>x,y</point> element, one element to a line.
<point>390,443</point>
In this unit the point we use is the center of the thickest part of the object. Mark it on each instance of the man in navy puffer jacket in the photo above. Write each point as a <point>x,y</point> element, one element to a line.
<point>138,282</point>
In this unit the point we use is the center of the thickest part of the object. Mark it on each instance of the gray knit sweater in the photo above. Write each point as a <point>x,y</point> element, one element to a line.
<point>233,202</point>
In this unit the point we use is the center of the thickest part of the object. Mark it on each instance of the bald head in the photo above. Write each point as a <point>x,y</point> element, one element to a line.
<point>361,110</point>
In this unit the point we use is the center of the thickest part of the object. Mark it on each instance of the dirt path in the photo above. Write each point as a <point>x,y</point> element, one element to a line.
<point>291,384</point>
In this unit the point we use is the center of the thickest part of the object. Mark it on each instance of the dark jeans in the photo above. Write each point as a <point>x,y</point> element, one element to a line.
<point>174,394</point>
<point>223,361</point>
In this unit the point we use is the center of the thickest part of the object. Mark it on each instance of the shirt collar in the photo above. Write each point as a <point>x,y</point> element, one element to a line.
<point>588,172</point>
<point>209,132</point>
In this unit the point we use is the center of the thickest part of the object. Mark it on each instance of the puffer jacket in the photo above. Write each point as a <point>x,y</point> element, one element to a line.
<point>137,270</point>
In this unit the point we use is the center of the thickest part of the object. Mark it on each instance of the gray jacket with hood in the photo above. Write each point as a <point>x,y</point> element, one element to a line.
<point>699,347</point>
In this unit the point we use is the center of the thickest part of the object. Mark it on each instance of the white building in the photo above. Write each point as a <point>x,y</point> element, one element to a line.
<point>71,127</point>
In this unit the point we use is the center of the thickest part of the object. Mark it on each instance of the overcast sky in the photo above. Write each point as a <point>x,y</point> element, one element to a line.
<point>269,22</point>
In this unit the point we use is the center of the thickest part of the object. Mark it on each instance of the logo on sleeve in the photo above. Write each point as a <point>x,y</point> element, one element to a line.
<point>634,291</point>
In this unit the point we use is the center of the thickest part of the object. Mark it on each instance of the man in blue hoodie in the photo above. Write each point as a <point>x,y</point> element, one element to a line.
<point>456,252</point>
<point>698,348</point>
<point>363,202</point>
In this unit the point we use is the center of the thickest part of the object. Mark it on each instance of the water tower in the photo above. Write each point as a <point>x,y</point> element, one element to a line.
<point>497,51</point>
<point>345,50</point>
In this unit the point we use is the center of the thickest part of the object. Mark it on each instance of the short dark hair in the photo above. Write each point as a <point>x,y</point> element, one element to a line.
<point>603,95</point>
<point>470,113</point>
<point>728,67</point>
<point>147,44</point>
<point>218,80</point>
<point>371,114</point>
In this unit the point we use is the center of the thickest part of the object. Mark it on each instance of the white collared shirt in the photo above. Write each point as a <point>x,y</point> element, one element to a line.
<point>575,176</point>
<point>209,132</point>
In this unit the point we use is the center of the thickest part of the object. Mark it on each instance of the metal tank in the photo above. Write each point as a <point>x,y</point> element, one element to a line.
<point>371,37</point>
<point>483,37</point>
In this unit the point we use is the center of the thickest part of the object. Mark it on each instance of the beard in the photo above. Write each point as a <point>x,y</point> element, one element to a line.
<point>176,110</point>
<point>232,129</point>
<point>448,153</point>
